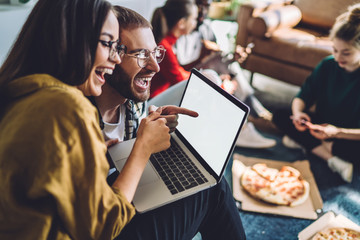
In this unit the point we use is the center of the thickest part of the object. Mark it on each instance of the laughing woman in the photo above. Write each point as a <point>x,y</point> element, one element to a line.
<point>53,166</point>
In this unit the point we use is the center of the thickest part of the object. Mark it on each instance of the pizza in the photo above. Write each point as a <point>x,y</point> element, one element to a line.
<point>337,234</point>
<point>281,187</point>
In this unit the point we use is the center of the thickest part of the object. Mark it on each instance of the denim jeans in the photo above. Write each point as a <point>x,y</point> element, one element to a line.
<point>212,212</point>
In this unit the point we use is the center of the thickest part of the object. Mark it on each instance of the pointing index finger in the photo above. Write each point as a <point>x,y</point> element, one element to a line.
<point>172,110</point>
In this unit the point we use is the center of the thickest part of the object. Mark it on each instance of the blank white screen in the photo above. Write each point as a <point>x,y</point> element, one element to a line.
<point>214,130</point>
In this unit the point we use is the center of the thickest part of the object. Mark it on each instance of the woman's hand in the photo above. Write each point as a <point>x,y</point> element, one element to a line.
<point>153,134</point>
<point>299,117</point>
<point>301,121</point>
<point>323,131</point>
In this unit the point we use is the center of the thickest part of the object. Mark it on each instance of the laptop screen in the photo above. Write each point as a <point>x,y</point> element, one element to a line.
<point>213,133</point>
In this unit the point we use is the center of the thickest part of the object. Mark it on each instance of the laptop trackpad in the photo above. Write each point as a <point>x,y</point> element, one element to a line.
<point>149,174</point>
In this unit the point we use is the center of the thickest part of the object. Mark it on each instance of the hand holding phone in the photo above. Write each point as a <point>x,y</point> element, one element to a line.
<point>301,124</point>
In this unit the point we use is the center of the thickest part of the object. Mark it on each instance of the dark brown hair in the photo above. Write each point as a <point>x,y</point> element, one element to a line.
<point>166,17</point>
<point>59,38</point>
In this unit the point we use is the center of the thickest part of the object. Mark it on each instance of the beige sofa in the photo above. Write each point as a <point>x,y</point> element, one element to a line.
<point>290,37</point>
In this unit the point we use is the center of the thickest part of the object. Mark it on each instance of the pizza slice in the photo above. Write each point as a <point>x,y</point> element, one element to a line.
<point>337,234</point>
<point>284,187</point>
<point>265,172</point>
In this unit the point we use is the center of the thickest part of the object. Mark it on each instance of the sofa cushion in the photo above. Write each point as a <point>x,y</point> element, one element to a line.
<point>294,46</point>
<point>322,13</point>
<point>282,71</point>
<point>267,22</point>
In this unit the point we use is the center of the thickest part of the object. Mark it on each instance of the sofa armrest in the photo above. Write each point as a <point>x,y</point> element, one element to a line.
<point>254,9</point>
<point>268,21</point>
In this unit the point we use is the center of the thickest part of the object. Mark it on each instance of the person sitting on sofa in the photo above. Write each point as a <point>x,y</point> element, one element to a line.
<point>211,212</point>
<point>332,130</point>
<point>174,32</point>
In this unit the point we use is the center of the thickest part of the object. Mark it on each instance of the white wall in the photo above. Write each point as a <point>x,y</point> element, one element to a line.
<point>13,17</point>
<point>11,21</point>
<point>144,7</point>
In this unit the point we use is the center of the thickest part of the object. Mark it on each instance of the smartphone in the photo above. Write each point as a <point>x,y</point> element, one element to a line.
<point>303,122</point>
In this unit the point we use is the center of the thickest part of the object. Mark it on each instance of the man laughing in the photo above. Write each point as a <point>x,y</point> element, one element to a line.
<point>121,106</point>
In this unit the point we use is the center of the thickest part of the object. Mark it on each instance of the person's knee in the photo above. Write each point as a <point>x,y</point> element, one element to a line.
<point>223,192</point>
<point>281,116</point>
<point>346,149</point>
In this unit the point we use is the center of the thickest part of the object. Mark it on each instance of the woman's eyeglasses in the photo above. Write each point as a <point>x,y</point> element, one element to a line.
<point>143,55</point>
<point>114,48</point>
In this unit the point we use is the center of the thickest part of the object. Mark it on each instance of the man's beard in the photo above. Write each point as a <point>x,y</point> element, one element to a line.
<point>122,83</point>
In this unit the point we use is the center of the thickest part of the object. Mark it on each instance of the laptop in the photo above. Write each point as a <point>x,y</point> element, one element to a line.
<point>205,145</point>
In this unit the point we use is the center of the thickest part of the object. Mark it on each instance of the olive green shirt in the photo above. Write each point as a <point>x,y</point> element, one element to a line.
<point>53,166</point>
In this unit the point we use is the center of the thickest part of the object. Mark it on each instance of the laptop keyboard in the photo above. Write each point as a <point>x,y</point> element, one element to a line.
<point>176,169</point>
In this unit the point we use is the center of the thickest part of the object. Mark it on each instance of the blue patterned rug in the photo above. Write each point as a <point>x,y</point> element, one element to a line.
<point>338,196</point>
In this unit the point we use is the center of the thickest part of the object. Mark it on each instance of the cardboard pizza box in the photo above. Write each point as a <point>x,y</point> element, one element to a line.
<point>307,210</point>
<point>328,220</point>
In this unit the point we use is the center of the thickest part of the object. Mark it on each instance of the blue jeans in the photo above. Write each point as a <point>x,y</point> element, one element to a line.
<point>211,212</point>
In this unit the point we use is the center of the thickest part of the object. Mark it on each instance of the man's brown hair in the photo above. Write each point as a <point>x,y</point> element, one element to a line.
<point>129,19</point>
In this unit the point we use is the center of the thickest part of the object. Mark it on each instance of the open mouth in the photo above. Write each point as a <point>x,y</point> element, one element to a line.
<point>143,82</point>
<point>100,72</point>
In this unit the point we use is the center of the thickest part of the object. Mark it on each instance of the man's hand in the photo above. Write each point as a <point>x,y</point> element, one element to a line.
<point>170,113</point>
